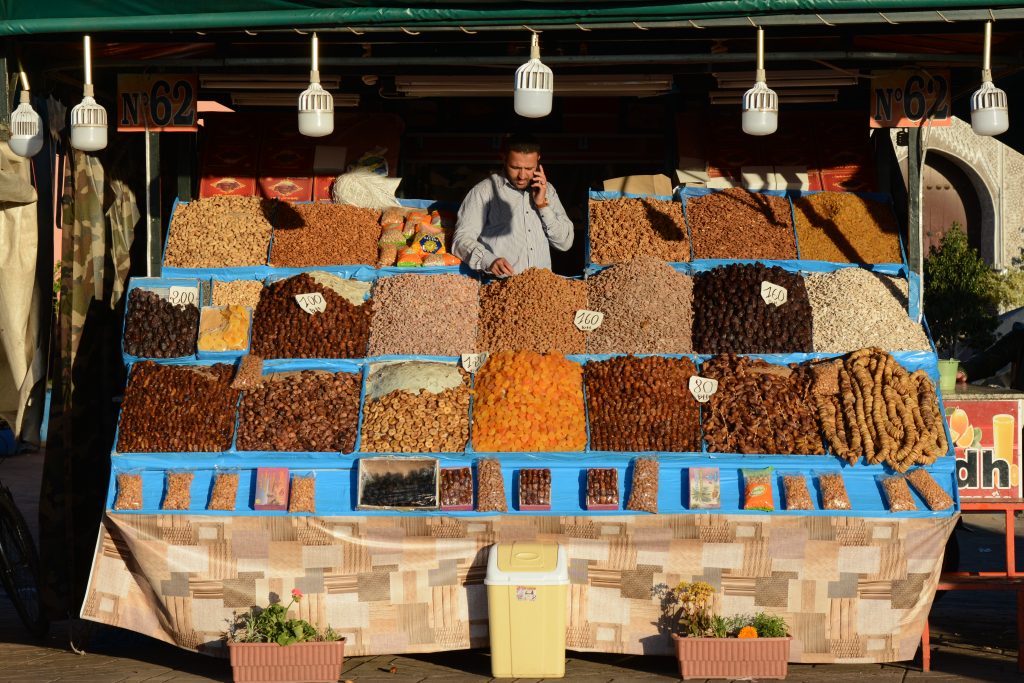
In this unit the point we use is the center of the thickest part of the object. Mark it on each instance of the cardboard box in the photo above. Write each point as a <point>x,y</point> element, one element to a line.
<point>322,188</point>
<point>640,184</point>
<point>292,188</point>
<point>216,183</point>
<point>464,493</point>
<point>373,468</point>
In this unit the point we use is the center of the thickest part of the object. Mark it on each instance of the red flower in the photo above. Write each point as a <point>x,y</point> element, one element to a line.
<point>296,593</point>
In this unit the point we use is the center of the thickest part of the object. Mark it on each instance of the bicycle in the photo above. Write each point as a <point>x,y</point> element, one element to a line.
<point>19,566</point>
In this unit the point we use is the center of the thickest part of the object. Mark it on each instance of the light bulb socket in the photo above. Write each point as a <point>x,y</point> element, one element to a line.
<point>314,76</point>
<point>88,90</point>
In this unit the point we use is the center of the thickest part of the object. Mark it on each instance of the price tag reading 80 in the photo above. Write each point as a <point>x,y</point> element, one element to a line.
<point>183,296</point>
<point>312,303</point>
<point>471,362</point>
<point>773,294</point>
<point>587,321</point>
<point>703,388</point>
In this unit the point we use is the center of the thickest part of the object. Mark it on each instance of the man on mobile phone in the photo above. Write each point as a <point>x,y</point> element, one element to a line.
<point>507,220</point>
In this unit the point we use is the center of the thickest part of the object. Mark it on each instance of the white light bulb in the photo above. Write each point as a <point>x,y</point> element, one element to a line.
<point>760,110</point>
<point>534,85</point>
<point>989,113</point>
<point>316,111</point>
<point>88,125</point>
<point>26,129</point>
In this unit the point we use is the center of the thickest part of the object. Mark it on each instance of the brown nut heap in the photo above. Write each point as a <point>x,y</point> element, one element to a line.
<point>844,228</point>
<point>324,235</point>
<point>281,329</point>
<point>642,404</point>
<point>177,409</point>
<point>602,486</point>
<point>532,311</point>
<point>155,328</point>
<point>730,316</point>
<point>623,228</point>
<point>220,232</point>
<point>306,411</point>
<point>237,293</point>
<point>535,487</point>
<point>760,408</point>
<point>647,306</point>
<point>424,422</point>
<point>881,413</point>
<point>456,487</point>
<point>737,224</point>
<point>429,315</point>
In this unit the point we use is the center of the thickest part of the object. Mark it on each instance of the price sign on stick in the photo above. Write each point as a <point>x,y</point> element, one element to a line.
<point>184,296</point>
<point>471,362</point>
<point>312,303</point>
<point>773,294</point>
<point>588,321</point>
<point>703,388</point>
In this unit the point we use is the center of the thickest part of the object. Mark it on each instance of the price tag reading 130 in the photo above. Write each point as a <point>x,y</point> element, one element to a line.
<point>312,303</point>
<point>183,296</point>
<point>588,321</point>
<point>773,294</point>
<point>703,388</point>
<point>471,362</point>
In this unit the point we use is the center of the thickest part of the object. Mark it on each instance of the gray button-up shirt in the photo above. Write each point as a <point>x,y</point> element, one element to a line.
<point>498,220</point>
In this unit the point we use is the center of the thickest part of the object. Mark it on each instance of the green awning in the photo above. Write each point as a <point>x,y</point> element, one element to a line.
<point>20,17</point>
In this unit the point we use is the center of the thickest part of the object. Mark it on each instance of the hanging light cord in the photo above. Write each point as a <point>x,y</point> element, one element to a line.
<point>314,75</point>
<point>87,49</point>
<point>986,59</point>
<point>760,56</point>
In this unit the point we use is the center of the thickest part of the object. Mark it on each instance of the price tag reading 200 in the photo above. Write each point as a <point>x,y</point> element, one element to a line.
<point>703,388</point>
<point>312,303</point>
<point>588,321</point>
<point>773,293</point>
<point>183,296</point>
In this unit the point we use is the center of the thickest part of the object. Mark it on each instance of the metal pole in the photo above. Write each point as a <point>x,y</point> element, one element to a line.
<point>915,162</point>
<point>154,243</point>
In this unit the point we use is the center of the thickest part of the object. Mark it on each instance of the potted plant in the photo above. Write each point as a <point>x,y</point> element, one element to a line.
<point>268,646</point>
<point>711,646</point>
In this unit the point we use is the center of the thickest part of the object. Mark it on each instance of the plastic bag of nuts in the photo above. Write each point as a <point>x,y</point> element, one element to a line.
<point>833,491</point>
<point>178,495</point>
<point>302,497</point>
<point>897,493</point>
<point>456,488</point>
<point>643,496</point>
<point>225,490</point>
<point>129,492</point>
<point>490,496</point>
<point>602,488</point>
<point>934,496</point>
<point>798,497</point>
<point>535,488</point>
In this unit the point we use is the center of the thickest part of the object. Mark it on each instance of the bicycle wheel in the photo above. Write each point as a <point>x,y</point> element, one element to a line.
<point>19,566</point>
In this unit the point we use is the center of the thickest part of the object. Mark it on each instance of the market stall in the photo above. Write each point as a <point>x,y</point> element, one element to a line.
<point>732,418</point>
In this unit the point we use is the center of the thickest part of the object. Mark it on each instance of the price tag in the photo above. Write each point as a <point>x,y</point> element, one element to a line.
<point>773,294</point>
<point>588,321</point>
<point>703,388</point>
<point>312,303</point>
<point>184,296</point>
<point>471,362</point>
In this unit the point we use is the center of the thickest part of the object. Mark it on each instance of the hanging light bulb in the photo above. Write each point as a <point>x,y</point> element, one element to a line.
<point>316,105</point>
<point>760,103</point>
<point>534,85</point>
<point>989,114</point>
<point>88,119</point>
<point>26,126</point>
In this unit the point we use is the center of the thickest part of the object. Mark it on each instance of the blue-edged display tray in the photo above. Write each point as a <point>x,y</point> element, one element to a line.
<point>254,272</point>
<point>160,285</point>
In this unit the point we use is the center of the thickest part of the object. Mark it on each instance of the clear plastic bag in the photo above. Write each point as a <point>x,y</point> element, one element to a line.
<point>490,486</point>
<point>177,490</point>
<point>934,496</point>
<point>798,496</point>
<point>897,493</point>
<point>643,496</point>
<point>833,491</point>
<point>302,496</point>
<point>129,491</point>
<point>224,494</point>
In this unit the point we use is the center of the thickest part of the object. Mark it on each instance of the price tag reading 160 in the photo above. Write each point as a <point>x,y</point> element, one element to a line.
<point>703,388</point>
<point>183,296</point>
<point>588,321</point>
<point>773,294</point>
<point>312,303</point>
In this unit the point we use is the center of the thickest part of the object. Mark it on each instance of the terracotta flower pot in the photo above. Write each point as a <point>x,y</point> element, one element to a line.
<point>732,657</point>
<point>296,663</point>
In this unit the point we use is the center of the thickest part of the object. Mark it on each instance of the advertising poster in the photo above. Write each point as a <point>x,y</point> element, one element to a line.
<point>987,436</point>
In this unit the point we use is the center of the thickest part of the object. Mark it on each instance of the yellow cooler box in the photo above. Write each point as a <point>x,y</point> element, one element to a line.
<point>527,593</point>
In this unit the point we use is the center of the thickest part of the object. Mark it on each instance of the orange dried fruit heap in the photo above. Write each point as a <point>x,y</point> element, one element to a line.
<point>527,401</point>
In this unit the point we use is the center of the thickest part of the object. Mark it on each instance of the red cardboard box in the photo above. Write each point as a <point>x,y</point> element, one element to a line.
<point>322,188</point>
<point>293,189</point>
<point>855,179</point>
<point>216,183</point>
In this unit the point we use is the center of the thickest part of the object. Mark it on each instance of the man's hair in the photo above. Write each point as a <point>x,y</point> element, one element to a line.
<point>521,143</point>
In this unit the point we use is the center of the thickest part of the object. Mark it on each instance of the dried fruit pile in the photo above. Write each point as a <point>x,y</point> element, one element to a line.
<point>623,228</point>
<point>324,235</point>
<point>177,409</point>
<point>281,329</point>
<point>430,315</point>
<point>224,328</point>
<point>844,228</point>
<point>642,404</point>
<point>156,328</point>
<point>760,408</point>
<point>304,411</point>
<point>647,306</point>
<point>526,401</point>
<point>730,316</point>
<point>871,407</point>
<point>220,232</point>
<point>532,311</point>
<point>739,224</point>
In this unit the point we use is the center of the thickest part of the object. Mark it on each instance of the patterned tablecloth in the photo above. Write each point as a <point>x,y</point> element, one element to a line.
<point>852,589</point>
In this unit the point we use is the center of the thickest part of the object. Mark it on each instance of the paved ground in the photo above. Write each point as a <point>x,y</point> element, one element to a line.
<point>973,638</point>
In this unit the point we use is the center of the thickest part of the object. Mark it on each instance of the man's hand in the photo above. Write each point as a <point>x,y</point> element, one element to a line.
<point>539,187</point>
<point>501,268</point>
